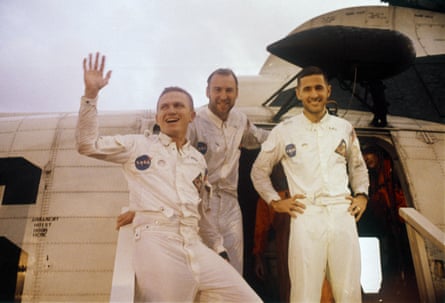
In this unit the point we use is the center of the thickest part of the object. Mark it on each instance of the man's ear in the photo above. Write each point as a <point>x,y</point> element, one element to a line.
<point>297,94</point>
<point>192,116</point>
<point>156,118</point>
<point>208,92</point>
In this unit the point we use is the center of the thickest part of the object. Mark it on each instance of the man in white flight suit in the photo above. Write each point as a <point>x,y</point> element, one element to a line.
<point>321,158</point>
<point>166,180</point>
<point>218,132</point>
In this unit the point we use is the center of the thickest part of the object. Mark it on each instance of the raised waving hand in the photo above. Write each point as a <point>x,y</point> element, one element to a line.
<point>93,75</point>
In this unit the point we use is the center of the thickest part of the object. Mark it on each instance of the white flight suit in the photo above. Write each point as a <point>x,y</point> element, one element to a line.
<point>320,160</point>
<point>220,142</point>
<point>171,262</point>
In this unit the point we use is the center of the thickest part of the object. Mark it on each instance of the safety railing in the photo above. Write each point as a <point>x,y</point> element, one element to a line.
<point>420,229</point>
<point>123,284</point>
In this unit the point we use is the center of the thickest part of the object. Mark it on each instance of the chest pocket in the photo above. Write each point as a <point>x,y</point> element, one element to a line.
<point>150,162</point>
<point>190,173</point>
<point>299,148</point>
<point>340,153</point>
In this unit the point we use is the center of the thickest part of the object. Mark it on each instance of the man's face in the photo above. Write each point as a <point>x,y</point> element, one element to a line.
<point>174,113</point>
<point>222,93</point>
<point>371,160</point>
<point>313,92</point>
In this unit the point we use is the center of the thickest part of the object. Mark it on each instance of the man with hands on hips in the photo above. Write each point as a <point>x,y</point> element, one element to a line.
<point>321,158</point>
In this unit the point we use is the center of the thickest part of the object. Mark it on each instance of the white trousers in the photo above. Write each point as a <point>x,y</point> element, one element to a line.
<point>173,265</point>
<point>226,213</point>
<point>324,240</point>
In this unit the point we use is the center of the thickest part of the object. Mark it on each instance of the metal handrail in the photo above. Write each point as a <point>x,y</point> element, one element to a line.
<point>123,285</point>
<point>418,228</point>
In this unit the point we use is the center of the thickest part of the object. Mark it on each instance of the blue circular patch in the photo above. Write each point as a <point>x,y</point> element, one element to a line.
<point>202,147</point>
<point>291,151</point>
<point>142,162</point>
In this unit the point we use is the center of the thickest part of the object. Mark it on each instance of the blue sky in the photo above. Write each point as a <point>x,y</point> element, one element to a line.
<point>149,44</point>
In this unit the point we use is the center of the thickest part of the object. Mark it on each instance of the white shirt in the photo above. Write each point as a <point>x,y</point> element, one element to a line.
<point>320,160</point>
<point>160,178</point>
<point>220,142</point>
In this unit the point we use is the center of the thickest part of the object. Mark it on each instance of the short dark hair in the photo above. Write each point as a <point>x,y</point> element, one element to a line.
<point>224,72</point>
<point>176,89</point>
<point>371,149</point>
<point>309,71</point>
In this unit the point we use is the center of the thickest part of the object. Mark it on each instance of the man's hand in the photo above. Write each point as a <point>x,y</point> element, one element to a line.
<point>125,218</point>
<point>93,75</point>
<point>358,206</point>
<point>290,205</point>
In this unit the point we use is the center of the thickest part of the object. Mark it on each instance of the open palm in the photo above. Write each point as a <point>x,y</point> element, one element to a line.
<point>94,75</point>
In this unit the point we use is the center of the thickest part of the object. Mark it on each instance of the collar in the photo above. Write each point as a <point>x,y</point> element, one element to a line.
<point>322,121</point>
<point>166,141</point>
<point>215,119</point>
<point>322,124</point>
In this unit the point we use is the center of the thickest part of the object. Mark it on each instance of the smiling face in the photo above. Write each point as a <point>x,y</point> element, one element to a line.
<point>314,93</point>
<point>222,92</point>
<point>174,113</point>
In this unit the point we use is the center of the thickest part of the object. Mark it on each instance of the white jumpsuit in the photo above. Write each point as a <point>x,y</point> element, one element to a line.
<point>171,262</point>
<point>320,160</point>
<point>220,142</point>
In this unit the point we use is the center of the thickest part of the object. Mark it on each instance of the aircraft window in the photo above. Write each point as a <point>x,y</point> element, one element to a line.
<point>19,181</point>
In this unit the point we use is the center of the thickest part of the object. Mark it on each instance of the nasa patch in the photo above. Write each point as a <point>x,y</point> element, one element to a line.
<point>202,147</point>
<point>142,162</point>
<point>291,151</point>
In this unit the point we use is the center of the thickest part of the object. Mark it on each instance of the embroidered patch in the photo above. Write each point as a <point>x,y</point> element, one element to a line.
<point>198,182</point>
<point>341,148</point>
<point>142,162</point>
<point>291,151</point>
<point>202,147</point>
